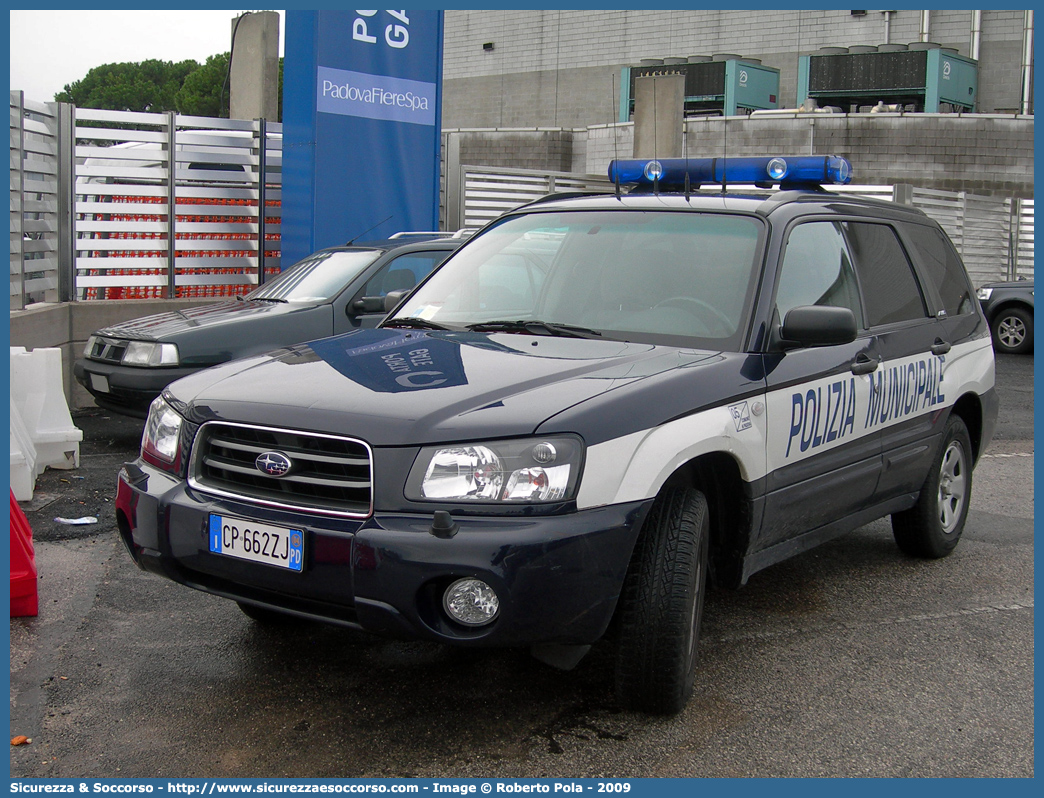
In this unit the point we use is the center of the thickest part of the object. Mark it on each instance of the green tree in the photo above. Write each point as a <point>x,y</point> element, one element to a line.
<point>130,86</point>
<point>205,92</point>
<point>158,86</point>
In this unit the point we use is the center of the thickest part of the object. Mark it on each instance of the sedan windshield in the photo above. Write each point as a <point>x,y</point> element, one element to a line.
<point>671,277</point>
<point>317,278</point>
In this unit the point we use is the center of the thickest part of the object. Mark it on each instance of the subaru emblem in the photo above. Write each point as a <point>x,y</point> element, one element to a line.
<point>273,464</point>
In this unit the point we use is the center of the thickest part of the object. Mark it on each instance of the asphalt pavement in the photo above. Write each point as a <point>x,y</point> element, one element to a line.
<point>850,660</point>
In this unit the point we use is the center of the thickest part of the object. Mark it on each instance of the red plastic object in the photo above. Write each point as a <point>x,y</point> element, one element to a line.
<point>24,599</point>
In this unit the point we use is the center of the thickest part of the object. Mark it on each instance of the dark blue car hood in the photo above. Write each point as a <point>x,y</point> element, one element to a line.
<point>175,324</point>
<point>407,387</point>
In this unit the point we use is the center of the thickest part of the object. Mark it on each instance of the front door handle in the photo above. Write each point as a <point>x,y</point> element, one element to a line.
<point>864,364</point>
<point>940,347</point>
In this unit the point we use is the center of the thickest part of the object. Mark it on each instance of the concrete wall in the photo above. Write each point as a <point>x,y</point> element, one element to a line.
<point>980,153</point>
<point>544,148</point>
<point>562,68</point>
<point>66,326</point>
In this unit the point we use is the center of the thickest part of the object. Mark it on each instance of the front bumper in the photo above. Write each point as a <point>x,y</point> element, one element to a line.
<point>557,577</point>
<point>125,389</point>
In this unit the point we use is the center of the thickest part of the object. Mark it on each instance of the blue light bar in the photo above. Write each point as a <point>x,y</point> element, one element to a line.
<point>804,170</point>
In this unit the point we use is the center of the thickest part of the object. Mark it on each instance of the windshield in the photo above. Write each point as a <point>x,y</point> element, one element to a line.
<point>656,276</point>
<point>316,278</point>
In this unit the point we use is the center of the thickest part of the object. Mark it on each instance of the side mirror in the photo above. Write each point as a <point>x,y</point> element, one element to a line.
<point>368,304</point>
<point>818,325</point>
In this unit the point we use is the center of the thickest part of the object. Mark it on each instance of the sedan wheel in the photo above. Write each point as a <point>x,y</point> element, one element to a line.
<point>1013,331</point>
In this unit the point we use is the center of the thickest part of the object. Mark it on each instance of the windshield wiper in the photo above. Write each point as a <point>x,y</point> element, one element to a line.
<point>535,327</point>
<point>267,299</point>
<point>415,322</point>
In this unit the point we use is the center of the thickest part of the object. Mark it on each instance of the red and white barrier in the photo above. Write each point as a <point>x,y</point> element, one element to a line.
<point>24,596</point>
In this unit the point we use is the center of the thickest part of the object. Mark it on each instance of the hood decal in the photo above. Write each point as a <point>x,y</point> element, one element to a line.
<point>404,362</point>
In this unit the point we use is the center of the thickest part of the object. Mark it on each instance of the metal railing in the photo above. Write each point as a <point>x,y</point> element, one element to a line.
<point>174,206</point>
<point>1022,240</point>
<point>484,193</point>
<point>117,205</point>
<point>35,202</point>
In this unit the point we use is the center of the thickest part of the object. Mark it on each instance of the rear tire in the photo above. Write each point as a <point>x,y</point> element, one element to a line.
<point>933,526</point>
<point>661,605</point>
<point>1013,331</point>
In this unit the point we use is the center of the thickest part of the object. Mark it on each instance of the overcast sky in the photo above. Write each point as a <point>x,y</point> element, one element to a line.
<point>52,48</point>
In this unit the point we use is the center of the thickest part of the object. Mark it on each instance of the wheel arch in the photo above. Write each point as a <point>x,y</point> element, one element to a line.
<point>969,409</point>
<point>1007,304</point>
<point>718,476</point>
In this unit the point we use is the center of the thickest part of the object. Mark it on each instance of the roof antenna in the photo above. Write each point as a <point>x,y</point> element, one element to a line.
<point>725,151</point>
<point>685,147</point>
<point>656,143</point>
<point>616,152</point>
<point>368,229</point>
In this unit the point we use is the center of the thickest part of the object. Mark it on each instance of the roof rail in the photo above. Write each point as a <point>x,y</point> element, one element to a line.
<point>464,232</point>
<point>566,195</point>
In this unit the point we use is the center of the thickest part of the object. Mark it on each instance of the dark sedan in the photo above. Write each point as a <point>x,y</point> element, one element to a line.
<point>333,291</point>
<point>1009,309</point>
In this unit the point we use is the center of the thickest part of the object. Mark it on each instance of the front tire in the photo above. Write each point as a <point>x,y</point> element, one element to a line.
<point>661,605</point>
<point>1013,331</point>
<point>933,526</point>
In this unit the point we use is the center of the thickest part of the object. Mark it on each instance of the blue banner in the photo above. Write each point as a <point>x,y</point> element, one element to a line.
<point>362,117</point>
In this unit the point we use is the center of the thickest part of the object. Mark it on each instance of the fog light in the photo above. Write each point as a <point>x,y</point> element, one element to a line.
<point>471,602</point>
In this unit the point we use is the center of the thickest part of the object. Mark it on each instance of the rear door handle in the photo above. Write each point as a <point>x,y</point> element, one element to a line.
<point>864,364</point>
<point>940,347</point>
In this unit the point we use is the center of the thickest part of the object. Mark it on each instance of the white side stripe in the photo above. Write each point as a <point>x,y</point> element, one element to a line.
<point>798,422</point>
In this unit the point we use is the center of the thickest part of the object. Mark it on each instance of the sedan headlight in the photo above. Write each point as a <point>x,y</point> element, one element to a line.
<point>533,470</point>
<point>150,353</point>
<point>160,441</point>
<point>984,293</point>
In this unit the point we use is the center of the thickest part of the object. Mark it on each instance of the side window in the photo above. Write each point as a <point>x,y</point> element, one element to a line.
<point>890,289</point>
<point>403,273</point>
<point>817,270</point>
<point>942,268</point>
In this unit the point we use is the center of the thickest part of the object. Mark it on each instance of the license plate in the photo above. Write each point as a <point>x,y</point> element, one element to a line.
<point>99,382</point>
<point>257,542</point>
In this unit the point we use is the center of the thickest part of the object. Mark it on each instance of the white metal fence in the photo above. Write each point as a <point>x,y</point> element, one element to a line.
<point>116,205</point>
<point>35,212</point>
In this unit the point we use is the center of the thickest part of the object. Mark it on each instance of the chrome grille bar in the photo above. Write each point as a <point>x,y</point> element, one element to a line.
<point>330,474</point>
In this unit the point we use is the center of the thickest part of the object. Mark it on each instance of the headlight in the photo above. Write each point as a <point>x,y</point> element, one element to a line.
<point>984,293</point>
<point>149,353</point>
<point>162,435</point>
<point>534,470</point>
<point>89,349</point>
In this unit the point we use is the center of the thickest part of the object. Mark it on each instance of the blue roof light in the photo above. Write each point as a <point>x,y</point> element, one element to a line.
<point>804,170</point>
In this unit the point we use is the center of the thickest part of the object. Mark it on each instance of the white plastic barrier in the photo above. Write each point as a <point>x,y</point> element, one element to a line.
<point>42,432</point>
<point>23,457</point>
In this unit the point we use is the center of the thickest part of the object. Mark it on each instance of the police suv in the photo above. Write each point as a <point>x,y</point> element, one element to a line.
<point>596,405</point>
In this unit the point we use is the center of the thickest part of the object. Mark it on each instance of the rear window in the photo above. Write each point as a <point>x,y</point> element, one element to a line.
<point>317,278</point>
<point>942,268</point>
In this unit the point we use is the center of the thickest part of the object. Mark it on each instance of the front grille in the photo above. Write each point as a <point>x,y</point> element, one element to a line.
<point>329,475</point>
<point>109,350</point>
